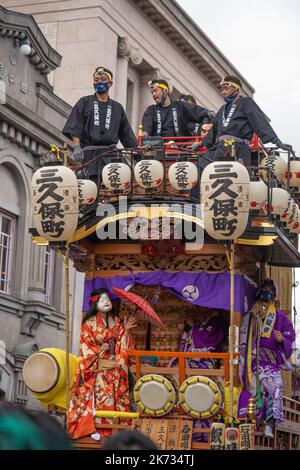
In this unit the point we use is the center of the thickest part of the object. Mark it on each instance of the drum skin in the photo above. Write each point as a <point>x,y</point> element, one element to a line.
<point>200,397</point>
<point>44,374</point>
<point>155,395</point>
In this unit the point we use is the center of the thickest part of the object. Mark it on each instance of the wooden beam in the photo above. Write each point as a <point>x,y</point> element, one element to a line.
<point>89,246</point>
<point>118,249</point>
<point>206,249</point>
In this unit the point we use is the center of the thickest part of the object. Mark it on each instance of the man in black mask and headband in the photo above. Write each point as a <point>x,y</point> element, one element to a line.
<point>238,119</point>
<point>98,120</point>
<point>168,117</point>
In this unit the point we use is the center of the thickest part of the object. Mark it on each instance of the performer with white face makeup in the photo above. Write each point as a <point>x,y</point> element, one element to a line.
<point>101,381</point>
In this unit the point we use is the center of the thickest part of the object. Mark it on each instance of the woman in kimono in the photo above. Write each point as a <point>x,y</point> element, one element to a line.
<point>266,343</point>
<point>101,381</point>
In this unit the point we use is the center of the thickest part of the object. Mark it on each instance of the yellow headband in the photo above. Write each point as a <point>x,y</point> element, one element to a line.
<point>153,84</point>
<point>235,85</point>
<point>101,71</point>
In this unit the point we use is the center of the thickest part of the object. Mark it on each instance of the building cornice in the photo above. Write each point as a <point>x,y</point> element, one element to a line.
<point>17,25</point>
<point>185,34</point>
<point>21,126</point>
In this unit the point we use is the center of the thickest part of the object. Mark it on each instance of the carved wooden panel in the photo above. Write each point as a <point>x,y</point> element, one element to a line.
<point>142,263</point>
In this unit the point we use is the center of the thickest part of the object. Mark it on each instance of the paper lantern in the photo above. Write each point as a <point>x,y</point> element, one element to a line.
<point>279,201</point>
<point>275,163</point>
<point>183,176</point>
<point>294,225</point>
<point>225,190</point>
<point>258,195</point>
<point>294,173</point>
<point>149,173</point>
<point>87,191</point>
<point>55,202</point>
<point>289,211</point>
<point>116,176</point>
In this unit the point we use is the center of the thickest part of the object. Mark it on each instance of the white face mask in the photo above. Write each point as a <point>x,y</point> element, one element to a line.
<point>104,304</point>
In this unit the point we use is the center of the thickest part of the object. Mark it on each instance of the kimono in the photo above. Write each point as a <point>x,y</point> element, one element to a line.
<point>241,120</point>
<point>98,123</point>
<point>206,336</point>
<point>265,363</point>
<point>95,388</point>
<point>172,120</point>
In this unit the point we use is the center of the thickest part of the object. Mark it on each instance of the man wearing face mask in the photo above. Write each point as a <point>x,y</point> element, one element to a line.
<point>98,120</point>
<point>168,117</point>
<point>266,343</point>
<point>239,118</point>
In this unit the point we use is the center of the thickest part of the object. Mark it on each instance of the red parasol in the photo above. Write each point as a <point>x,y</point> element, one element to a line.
<point>144,308</point>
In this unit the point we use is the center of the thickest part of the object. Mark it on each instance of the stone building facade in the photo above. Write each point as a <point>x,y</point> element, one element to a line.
<point>31,278</point>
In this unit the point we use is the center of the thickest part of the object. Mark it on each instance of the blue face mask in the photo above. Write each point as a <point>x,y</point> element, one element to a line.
<point>229,99</point>
<point>101,87</point>
<point>265,296</point>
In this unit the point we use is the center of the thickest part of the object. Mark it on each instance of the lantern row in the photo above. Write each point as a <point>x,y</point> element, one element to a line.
<point>227,195</point>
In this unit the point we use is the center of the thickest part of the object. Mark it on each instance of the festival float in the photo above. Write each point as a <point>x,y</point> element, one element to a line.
<point>170,246</point>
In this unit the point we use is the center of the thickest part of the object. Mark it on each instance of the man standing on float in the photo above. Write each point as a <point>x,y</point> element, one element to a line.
<point>168,117</point>
<point>97,120</point>
<point>239,118</point>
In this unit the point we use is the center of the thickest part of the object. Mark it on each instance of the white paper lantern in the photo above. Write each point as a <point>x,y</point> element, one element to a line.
<point>87,191</point>
<point>225,190</point>
<point>55,202</point>
<point>279,201</point>
<point>275,163</point>
<point>116,176</point>
<point>183,176</point>
<point>294,226</point>
<point>290,210</point>
<point>294,173</point>
<point>149,173</point>
<point>258,195</point>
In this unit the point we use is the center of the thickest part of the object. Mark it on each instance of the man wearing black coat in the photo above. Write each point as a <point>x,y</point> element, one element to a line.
<point>97,120</point>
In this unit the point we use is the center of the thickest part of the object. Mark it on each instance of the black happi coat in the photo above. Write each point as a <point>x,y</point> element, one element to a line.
<point>90,122</point>
<point>185,113</point>
<point>246,119</point>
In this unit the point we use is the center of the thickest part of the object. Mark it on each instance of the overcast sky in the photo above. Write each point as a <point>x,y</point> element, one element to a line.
<point>262,40</point>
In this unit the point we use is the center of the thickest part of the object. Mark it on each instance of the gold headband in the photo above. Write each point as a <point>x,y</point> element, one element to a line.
<point>153,84</point>
<point>235,85</point>
<point>101,70</point>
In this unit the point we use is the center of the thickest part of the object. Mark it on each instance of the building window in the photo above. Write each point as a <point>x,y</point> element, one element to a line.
<point>7,238</point>
<point>48,279</point>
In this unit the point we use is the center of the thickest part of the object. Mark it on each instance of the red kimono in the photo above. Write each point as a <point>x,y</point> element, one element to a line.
<point>95,389</point>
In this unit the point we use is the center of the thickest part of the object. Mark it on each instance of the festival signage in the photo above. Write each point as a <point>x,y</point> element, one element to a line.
<point>149,174</point>
<point>55,202</point>
<point>183,176</point>
<point>276,164</point>
<point>116,176</point>
<point>87,191</point>
<point>225,190</point>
